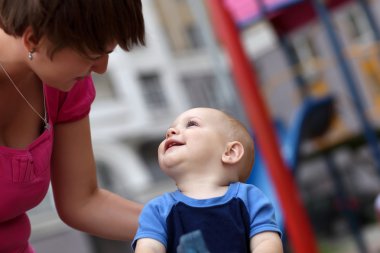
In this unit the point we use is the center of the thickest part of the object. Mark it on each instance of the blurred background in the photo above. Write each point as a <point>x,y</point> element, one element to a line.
<point>317,68</point>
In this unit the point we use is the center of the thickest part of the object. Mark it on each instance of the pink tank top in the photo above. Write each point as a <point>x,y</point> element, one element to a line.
<point>25,173</point>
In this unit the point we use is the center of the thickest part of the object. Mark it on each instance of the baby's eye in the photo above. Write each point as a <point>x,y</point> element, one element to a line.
<point>191,123</point>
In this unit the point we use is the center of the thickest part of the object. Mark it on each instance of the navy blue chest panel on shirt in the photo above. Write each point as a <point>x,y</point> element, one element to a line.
<point>225,228</point>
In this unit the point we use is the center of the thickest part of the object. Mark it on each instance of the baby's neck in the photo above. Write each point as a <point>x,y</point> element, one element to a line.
<point>202,190</point>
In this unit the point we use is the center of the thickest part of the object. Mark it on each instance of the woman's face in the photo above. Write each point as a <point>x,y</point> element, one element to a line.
<point>67,66</point>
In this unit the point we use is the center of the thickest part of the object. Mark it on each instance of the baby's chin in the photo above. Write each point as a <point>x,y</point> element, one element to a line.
<point>168,163</point>
<point>173,172</point>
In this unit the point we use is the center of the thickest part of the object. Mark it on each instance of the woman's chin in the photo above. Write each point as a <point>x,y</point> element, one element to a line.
<point>65,87</point>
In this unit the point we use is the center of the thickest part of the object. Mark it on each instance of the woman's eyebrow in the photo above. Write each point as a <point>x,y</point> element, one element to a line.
<point>100,55</point>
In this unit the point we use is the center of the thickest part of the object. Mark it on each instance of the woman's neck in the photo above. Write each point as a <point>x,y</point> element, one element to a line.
<point>13,57</point>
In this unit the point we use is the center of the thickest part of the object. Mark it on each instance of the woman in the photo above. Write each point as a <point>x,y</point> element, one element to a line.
<point>48,49</point>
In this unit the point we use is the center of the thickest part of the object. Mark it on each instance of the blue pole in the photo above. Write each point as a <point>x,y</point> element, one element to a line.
<point>343,198</point>
<point>290,55</point>
<point>294,61</point>
<point>349,78</point>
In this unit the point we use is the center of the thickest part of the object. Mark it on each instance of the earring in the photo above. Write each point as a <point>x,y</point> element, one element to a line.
<point>30,54</point>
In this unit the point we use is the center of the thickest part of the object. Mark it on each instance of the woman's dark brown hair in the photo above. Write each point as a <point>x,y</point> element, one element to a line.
<point>87,26</point>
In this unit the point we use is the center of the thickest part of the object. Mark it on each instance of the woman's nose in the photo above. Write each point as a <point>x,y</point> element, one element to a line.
<point>171,131</point>
<point>100,65</point>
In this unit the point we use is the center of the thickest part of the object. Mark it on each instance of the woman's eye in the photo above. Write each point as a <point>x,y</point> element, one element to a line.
<point>191,123</point>
<point>95,58</point>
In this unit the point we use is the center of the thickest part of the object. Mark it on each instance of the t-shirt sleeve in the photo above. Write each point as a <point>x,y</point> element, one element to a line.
<point>152,222</point>
<point>261,211</point>
<point>72,105</point>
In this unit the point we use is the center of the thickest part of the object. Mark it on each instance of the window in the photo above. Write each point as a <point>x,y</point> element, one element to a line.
<point>306,54</point>
<point>201,90</point>
<point>104,87</point>
<point>357,25</point>
<point>194,35</point>
<point>153,93</point>
<point>180,25</point>
<point>105,175</point>
<point>148,152</point>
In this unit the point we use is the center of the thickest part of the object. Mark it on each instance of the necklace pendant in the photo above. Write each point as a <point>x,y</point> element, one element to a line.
<point>44,119</point>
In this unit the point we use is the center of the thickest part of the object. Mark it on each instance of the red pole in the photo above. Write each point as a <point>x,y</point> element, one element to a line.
<point>297,223</point>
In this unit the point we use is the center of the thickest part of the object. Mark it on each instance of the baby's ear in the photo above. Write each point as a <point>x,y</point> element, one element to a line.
<point>233,153</point>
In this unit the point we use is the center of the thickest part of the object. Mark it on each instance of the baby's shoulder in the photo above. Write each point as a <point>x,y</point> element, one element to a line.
<point>245,188</point>
<point>248,192</point>
<point>162,203</point>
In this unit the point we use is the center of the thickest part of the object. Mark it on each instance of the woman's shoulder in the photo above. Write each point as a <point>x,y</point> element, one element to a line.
<point>72,105</point>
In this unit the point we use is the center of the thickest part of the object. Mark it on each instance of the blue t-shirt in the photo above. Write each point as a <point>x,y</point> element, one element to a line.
<point>227,223</point>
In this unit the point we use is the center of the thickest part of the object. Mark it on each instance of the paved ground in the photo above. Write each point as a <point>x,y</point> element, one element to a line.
<point>346,243</point>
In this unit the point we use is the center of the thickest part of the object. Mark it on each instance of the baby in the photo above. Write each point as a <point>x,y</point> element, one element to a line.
<point>208,153</point>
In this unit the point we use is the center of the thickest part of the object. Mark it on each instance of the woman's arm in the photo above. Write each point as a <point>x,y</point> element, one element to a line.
<point>79,201</point>
<point>266,242</point>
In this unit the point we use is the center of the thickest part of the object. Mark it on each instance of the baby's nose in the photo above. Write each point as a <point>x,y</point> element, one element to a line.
<point>171,131</point>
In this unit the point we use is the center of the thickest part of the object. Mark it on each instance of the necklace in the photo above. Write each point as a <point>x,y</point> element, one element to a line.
<point>43,118</point>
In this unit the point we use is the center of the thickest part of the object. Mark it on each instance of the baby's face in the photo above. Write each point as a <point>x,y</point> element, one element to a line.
<point>195,140</point>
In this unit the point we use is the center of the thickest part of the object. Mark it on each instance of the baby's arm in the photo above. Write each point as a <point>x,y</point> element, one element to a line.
<point>266,242</point>
<point>147,245</point>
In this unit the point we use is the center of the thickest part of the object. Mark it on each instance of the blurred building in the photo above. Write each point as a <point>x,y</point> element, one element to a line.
<point>183,66</point>
<point>318,68</point>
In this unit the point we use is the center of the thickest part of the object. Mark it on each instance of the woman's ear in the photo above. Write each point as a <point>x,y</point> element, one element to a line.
<point>233,153</point>
<point>30,40</point>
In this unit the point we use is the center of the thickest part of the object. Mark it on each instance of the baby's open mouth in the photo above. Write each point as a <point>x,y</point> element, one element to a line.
<point>172,143</point>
